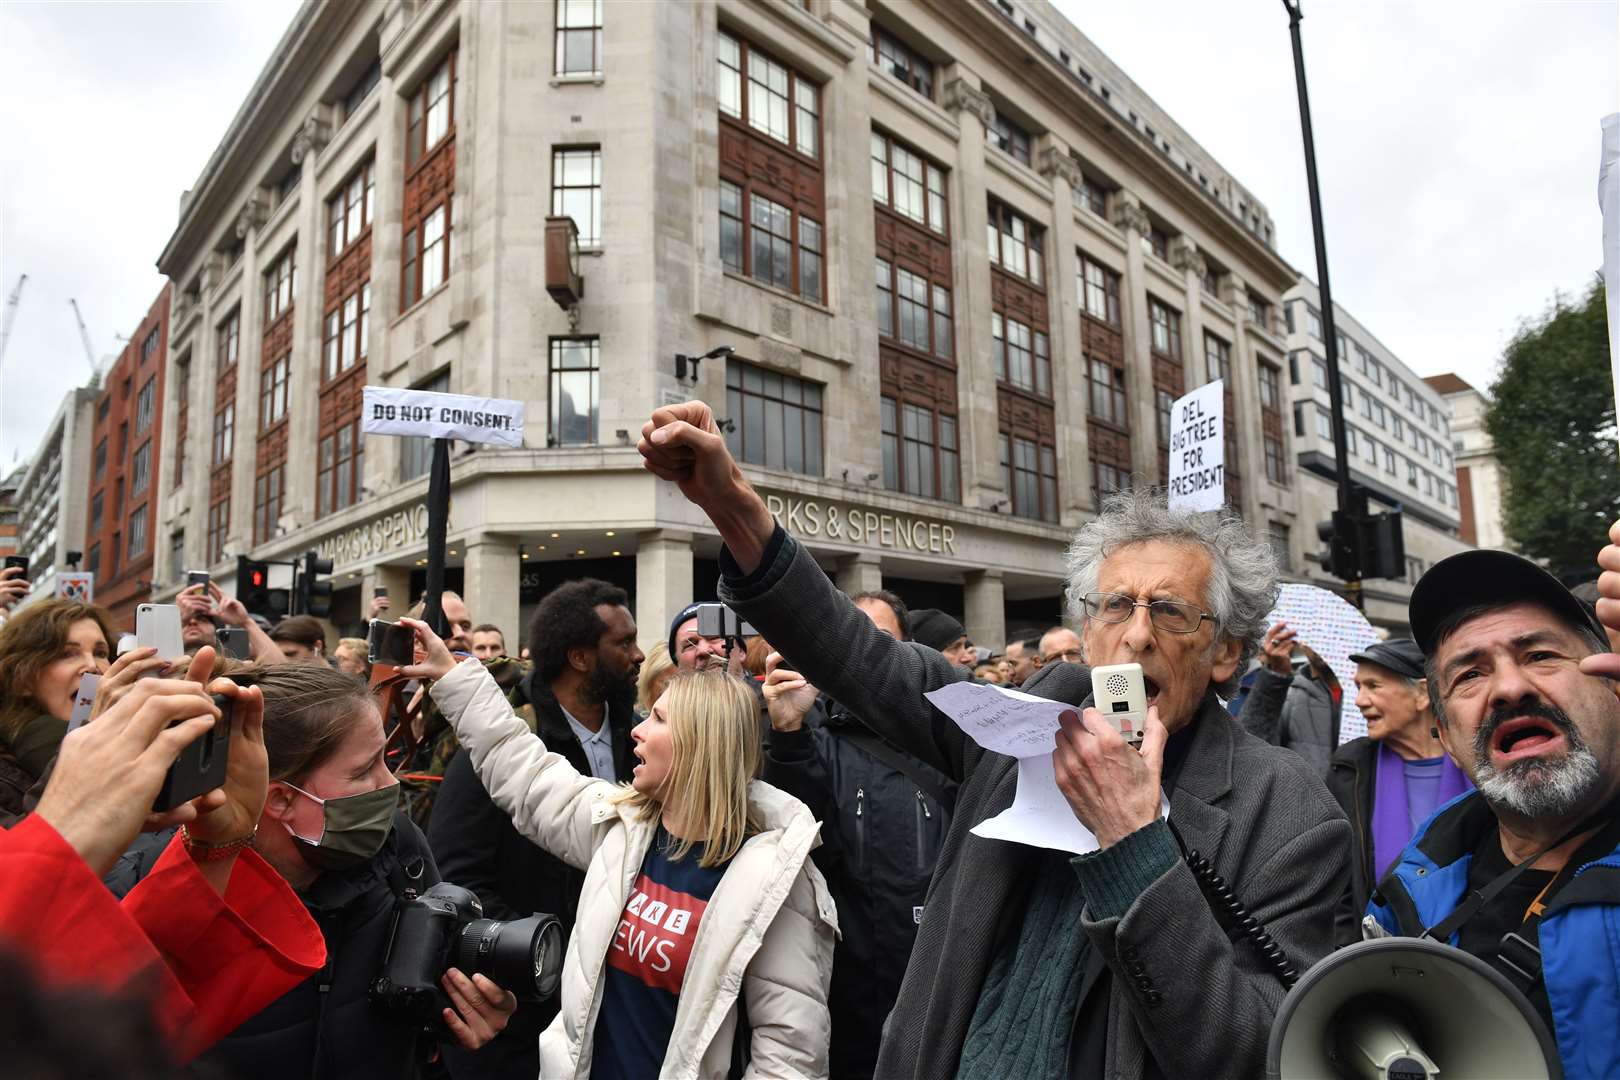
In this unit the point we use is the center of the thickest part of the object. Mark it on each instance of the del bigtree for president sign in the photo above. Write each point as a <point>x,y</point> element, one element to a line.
<point>1198,449</point>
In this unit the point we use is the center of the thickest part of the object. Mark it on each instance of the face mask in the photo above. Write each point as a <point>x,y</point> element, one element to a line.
<point>356,827</point>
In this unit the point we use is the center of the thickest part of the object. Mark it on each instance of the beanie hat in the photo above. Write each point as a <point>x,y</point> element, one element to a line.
<point>934,628</point>
<point>687,612</point>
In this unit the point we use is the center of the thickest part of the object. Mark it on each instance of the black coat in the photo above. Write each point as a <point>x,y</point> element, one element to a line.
<point>326,1027</point>
<point>881,834</point>
<point>1350,776</point>
<point>478,848</point>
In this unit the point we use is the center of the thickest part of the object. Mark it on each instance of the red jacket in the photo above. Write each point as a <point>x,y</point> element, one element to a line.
<point>207,962</point>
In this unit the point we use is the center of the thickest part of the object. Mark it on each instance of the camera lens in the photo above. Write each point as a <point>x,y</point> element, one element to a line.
<point>523,956</point>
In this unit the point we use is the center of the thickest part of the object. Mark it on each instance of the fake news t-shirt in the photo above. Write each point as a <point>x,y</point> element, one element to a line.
<point>646,962</point>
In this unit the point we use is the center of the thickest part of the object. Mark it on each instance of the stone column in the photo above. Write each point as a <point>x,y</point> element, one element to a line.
<point>1246,397</point>
<point>1126,211</point>
<point>491,582</point>
<point>1185,256</point>
<point>975,379</point>
<point>986,612</point>
<point>860,573</point>
<point>663,581</point>
<point>303,391</point>
<point>249,346</point>
<point>1068,363</point>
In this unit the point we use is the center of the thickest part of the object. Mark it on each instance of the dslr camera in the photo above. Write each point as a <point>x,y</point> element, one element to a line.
<point>445,927</point>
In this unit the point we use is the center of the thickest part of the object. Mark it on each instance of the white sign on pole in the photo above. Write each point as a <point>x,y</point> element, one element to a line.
<point>389,411</point>
<point>1198,449</point>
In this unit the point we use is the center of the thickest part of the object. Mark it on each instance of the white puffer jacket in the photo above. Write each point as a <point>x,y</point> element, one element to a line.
<point>769,928</point>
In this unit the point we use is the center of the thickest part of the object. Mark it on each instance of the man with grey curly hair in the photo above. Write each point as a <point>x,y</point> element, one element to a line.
<point>1032,962</point>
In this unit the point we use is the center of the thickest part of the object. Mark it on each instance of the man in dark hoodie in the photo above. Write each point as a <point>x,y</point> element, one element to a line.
<point>581,694</point>
<point>942,633</point>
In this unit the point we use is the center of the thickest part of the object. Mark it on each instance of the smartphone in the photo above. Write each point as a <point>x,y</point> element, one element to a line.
<point>201,766</point>
<point>717,620</point>
<point>390,643</point>
<point>84,700</point>
<point>17,560</point>
<point>1119,694</point>
<point>380,592</point>
<point>157,626</point>
<point>197,577</point>
<point>233,642</point>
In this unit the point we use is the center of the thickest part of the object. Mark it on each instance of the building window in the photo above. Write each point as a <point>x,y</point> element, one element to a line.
<point>1010,138</point>
<point>1218,360</point>
<point>362,88</point>
<point>579,37</point>
<point>575,370</point>
<point>273,391</point>
<point>267,502</point>
<point>908,183</point>
<point>427,253</point>
<point>141,470</point>
<point>348,213</point>
<point>224,433</point>
<point>416,453</point>
<point>576,189</point>
<point>764,248</point>
<point>145,406</point>
<point>1276,466</point>
<point>279,281</point>
<point>219,523</point>
<point>339,466</point>
<point>101,460</point>
<point>1093,196</point>
<point>1107,392</point>
<point>1015,244</point>
<point>1166,323</point>
<point>1324,427</point>
<point>137,532</point>
<point>149,347</point>
<point>347,334</point>
<point>117,552</point>
<point>1022,356</point>
<point>1099,291</point>
<point>1281,546</point>
<point>92,563</point>
<point>912,311</point>
<point>1157,242</point>
<point>1270,391</point>
<point>95,513</point>
<point>1107,478</point>
<point>919,450</point>
<point>1313,322</point>
<point>1369,450</point>
<point>1259,311</point>
<point>177,555</point>
<point>1029,471</point>
<point>776,419</point>
<point>899,60</point>
<point>228,338</point>
<point>123,441</point>
<point>431,114</point>
<point>780,102</point>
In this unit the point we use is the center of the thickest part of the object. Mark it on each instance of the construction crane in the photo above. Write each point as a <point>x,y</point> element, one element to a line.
<point>11,314</point>
<point>84,335</point>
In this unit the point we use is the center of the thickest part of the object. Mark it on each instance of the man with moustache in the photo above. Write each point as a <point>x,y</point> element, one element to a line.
<point>580,696</point>
<point>1524,873</point>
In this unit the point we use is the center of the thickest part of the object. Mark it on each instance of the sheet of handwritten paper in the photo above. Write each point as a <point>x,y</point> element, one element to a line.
<point>1025,727</point>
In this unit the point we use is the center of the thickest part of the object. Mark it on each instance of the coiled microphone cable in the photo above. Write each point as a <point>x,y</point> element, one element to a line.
<point>1229,911</point>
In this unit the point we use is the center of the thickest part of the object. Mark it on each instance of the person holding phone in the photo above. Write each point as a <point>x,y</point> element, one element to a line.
<point>204,608</point>
<point>45,649</point>
<point>704,936</point>
<point>14,583</point>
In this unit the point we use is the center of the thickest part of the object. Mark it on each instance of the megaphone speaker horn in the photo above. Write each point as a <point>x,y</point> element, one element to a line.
<point>1401,1008</point>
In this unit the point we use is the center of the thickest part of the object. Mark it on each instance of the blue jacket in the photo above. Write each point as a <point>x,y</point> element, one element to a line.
<point>1579,934</point>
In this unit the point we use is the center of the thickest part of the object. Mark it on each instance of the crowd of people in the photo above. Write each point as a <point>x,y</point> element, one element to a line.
<point>762,847</point>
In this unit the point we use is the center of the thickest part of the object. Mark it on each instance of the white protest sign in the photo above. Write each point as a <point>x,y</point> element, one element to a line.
<point>1025,727</point>
<point>389,411</point>
<point>76,585</point>
<point>1334,629</point>
<point>1198,449</point>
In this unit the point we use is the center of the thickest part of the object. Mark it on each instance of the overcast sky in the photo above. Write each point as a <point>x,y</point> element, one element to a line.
<point>1457,139</point>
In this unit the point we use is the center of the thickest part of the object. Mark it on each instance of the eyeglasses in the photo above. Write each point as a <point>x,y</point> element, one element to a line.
<point>1073,656</point>
<point>1178,618</point>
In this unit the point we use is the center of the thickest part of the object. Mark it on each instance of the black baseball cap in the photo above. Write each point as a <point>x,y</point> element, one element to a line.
<point>1495,578</point>
<point>1400,655</point>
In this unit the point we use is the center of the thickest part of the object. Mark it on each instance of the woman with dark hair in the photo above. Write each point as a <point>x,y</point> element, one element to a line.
<point>45,649</point>
<point>332,827</point>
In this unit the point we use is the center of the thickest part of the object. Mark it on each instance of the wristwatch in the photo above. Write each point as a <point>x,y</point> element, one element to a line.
<point>205,852</point>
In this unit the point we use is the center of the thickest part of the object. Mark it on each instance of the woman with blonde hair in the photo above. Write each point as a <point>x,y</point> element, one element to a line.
<point>704,940</point>
<point>656,671</point>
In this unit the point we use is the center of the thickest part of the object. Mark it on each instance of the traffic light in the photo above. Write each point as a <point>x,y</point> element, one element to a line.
<point>1361,544</point>
<point>314,595</point>
<point>253,586</point>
